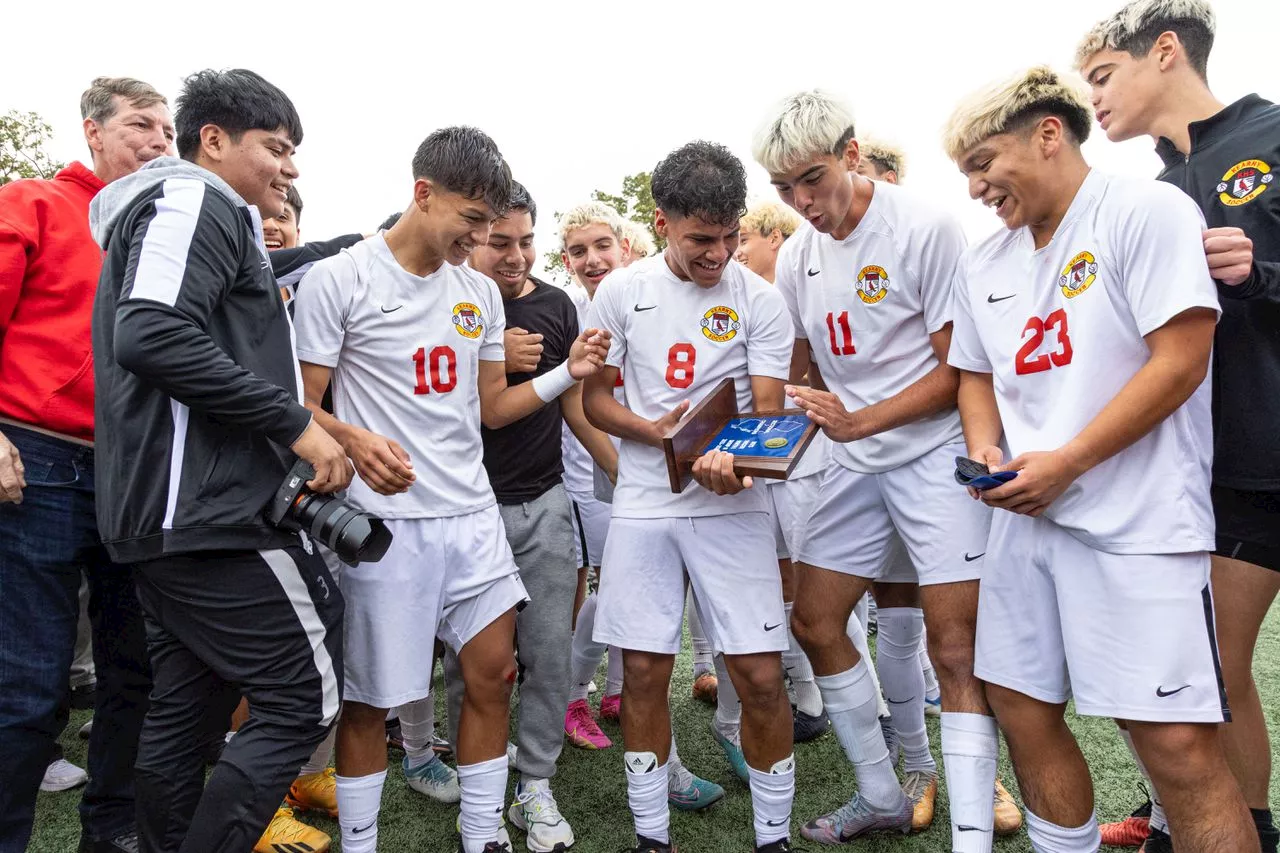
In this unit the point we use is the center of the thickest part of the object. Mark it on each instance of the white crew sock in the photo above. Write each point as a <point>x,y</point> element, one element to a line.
<point>319,759</point>
<point>613,679</point>
<point>796,663</point>
<point>1047,837</point>
<point>702,651</point>
<point>931,688</point>
<point>728,709</point>
<point>897,659</point>
<point>417,726</point>
<point>359,798</point>
<point>970,747</point>
<point>484,787</point>
<point>857,634</point>
<point>850,700</point>
<point>587,653</point>
<point>1158,819</point>
<point>772,792</point>
<point>647,795</point>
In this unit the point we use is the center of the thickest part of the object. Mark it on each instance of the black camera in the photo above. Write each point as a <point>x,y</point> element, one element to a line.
<point>350,532</point>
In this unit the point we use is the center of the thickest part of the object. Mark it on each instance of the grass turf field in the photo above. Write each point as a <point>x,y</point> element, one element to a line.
<point>592,795</point>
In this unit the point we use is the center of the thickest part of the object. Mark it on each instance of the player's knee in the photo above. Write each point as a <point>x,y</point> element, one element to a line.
<point>643,674</point>
<point>759,680</point>
<point>953,662</point>
<point>813,629</point>
<point>489,680</point>
<point>1177,753</point>
<point>359,717</point>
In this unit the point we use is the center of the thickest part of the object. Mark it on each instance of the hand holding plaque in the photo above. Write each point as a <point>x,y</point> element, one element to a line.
<point>764,444</point>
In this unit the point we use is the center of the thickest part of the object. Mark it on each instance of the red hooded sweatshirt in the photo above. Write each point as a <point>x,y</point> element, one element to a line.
<point>49,266</point>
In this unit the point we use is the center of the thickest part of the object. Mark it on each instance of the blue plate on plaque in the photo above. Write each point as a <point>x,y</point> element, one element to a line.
<point>773,435</point>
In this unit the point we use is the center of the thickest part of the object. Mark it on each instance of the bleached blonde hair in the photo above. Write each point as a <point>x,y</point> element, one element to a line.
<point>1135,28</point>
<point>591,213</point>
<point>766,216</point>
<point>1008,105</point>
<point>638,238</point>
<point>801,126</point>
<point>886,156</point>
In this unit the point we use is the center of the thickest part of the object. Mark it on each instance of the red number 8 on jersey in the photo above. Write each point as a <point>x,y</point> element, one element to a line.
<point>680,361</point>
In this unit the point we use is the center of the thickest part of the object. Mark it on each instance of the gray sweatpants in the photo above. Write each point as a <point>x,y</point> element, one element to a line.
<point>541,538</point>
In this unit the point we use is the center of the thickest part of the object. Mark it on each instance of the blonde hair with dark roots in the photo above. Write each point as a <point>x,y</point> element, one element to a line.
<point>886,157</point>
<point>586,215</point>
<point>99,101</point>
<point>1135,28</point>
<point>765,217</point>
<point>1009,105</point>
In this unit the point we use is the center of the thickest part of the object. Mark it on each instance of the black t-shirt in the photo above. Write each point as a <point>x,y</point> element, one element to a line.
<point>523,458</point>
<point>1234,158</point>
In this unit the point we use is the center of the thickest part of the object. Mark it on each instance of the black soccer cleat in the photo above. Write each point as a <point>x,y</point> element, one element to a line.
<point>1157,842</point>
<point>648,845</point>
<point>782,845</point>
<point>805,727</point>
<point>491,847</point>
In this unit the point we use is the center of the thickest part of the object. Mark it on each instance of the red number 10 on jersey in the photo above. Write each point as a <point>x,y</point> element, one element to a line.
<point>440,382</point>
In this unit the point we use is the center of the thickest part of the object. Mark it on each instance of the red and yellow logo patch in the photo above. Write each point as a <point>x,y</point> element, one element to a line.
<point>1244,182</point>
<point>468,320</point>
<point>1079,273</point>
<point>873,284</point>
<point>721,324</point>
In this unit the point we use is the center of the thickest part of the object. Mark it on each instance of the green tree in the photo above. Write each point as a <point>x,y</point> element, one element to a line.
<point>23,137</point>
<point>635,202</point>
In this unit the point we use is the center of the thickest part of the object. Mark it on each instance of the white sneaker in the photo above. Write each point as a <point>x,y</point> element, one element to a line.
<point>62,775</point>
<point>435,779</point>
<point>87,729</point>
<point>511,754</point>
<point>535,812</point>
<point>591,687</point>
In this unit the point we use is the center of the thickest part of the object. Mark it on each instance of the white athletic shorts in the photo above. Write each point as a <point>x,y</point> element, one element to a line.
<point>447,577</point>
<point>590,527</point>
<point>729,560</point>
<point>856,517</point>
<point>1129,636</point>
<point>792,504</point>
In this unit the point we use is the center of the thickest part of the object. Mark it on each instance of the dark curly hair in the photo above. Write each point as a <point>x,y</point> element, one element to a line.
<point>701,179</point>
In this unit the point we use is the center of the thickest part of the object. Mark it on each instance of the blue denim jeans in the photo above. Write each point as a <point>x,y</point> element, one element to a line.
<point>46,544</point>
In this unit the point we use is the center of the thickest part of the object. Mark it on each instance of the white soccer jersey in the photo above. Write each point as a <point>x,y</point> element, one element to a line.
<point>577,476</point>
<point>676,341</point>
<point>868,304</point>
<point>1060,329</point>
<point>406,352</point>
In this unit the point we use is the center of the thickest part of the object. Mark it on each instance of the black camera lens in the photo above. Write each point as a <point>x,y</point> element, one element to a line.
<point>352,534</point>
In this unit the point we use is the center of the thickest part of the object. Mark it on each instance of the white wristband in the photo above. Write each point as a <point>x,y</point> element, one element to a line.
<point>553,383</point>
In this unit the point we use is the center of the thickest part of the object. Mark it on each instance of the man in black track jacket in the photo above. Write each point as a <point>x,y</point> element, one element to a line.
<point>199,418</point>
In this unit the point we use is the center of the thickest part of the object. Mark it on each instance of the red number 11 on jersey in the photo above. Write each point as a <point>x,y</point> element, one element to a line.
<point>845,345</point>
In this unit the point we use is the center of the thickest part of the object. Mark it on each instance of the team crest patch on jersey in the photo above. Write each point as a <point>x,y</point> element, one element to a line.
<point>468,320</point>
<point>873,284</point>
<point>1078,274</point>
<point>721,324</point>
<point>1244,182</point>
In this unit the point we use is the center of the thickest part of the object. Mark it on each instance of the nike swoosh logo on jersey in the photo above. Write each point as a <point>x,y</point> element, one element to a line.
<point>812,273</point>
<point>969,559</point>
<point>646,308</point>
<point>386,310</point>
<point>769,627</point>
<point>1162,693</point>
<point>992,298</point>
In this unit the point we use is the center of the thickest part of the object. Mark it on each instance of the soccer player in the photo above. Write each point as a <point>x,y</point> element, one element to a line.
<point>1147,66</point>
<point>1084,333</point>
<point>593,245</point>
<point>765,227</point>
<point>868,284</point>
<point>639,241</point>
<point>682,322</point>
<point>412,340</point>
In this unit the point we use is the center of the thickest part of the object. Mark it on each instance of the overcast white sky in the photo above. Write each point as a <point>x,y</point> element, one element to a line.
<point>579,94</point>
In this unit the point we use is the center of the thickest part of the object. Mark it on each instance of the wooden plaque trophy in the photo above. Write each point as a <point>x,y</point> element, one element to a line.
<point>763,444</point>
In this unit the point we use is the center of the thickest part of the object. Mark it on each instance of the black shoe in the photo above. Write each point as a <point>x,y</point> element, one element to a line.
<point>82,698</point>
<point>648,845</point>
<point>491,847</point>
<point>1158,841</point>
<point>782,845</point>
<point>805,727</point>
<point>127,843</point>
